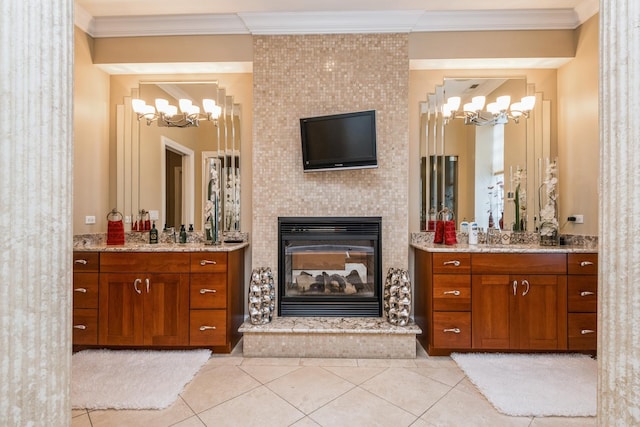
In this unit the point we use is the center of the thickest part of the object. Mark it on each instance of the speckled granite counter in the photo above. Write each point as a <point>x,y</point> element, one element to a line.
<point>349,337</point>
<point>139,242</point>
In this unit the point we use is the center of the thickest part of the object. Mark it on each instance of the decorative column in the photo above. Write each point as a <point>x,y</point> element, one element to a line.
<point>36,131</point>
<point>619,229</point>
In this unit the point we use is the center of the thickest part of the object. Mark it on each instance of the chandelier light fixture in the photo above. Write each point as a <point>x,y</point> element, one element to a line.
<point>165,114</point>
<point>498,112</point>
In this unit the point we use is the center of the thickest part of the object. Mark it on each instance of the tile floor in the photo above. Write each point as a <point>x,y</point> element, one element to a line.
<point>231,390</point>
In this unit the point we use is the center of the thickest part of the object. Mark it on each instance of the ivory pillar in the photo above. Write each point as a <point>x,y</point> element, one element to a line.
<point>36,131</point>
<point>619,277</point>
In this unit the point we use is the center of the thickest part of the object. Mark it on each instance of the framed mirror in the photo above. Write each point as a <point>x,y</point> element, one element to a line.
<point>162,162</point>
<point>471,164</point>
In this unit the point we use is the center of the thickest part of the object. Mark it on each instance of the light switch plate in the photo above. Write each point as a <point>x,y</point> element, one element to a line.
<point>154,215</point>
<point>90,219</point>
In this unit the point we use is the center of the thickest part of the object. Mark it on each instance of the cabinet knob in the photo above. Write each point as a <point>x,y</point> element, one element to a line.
<point>456,292</point>
<point>585,263</point>
<point>587,331</point>
<point>81,261</point>
<point>207,261</point>
<point>586,293</point>
<point>206,291</point>
<point>205,328</point>
<point>83,290</point>
<point>81,327</point>
<point>454,330</point>
<point>454,262</point>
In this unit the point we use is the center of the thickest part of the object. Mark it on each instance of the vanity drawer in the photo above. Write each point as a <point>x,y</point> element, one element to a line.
<point>582,331</point>
<point>85,290</point>
<point>142,262</point>
<point>538,263</point>
<point>209,262</point>
<point>208,291</point>
<point>86,261</point>
<point>451,292</point>
<point>85,326</point>
<point>582,294</point>
<point>451,263</point>
<point>207,327</point>
<point>452,329</point>
<point>582,263</point>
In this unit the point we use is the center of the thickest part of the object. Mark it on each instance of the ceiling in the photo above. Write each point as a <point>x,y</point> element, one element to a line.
<point>132,18</point>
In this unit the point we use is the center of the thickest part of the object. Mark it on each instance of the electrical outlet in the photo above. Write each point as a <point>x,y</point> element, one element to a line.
<point>154,215</point>
<point>579,219</point>
<point>89,219</point>
<point>127,219</point>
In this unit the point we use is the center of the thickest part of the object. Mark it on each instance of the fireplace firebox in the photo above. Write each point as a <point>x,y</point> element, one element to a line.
<point>329,266</point>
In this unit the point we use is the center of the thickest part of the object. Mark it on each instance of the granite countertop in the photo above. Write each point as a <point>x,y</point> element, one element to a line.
<point>161,247</point>
<point>499,248</point>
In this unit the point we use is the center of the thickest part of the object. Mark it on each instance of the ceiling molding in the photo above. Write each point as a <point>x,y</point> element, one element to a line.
<point>82,19</point>
<point>402,21</point>
<point>178,68</point>
<point>486,20</point>
<point>587,9</point>
<point>486,63</point>
<point>390,21</point>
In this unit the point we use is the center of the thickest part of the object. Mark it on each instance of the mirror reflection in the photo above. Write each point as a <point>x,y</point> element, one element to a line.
<point>177,141</point>
<point>476,147</point>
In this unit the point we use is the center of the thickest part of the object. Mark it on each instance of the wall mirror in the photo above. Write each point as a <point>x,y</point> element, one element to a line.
<point>470,165</point>
<point>164,169</point>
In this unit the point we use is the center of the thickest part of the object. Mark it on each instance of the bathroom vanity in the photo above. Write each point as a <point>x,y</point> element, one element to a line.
<point>505,298</point>
<point>158,296</point>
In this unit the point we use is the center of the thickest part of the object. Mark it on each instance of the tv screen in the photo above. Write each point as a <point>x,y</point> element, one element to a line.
<point>339,141</point>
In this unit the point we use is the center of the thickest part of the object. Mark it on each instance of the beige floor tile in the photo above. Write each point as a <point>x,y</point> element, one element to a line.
<point>266,374</point>
<point>387,363</point>
<point>214,386</point>
<point>214,362</point>
<point>272,361</point>
<point>458,408</point>
<point>447,376</point>
<point>328,362</point>
<point>259,407</point>
<point>355,375</point>
<point>78,412</point>
<point>436,362</point>
<point>81,420</point>
<point>360,408</point>
<point>177,412</point>
<point>310,387</point>
<point>421,423</point>
<point>564,422</point>
<point>467,386</point>
<point>305,422</point>
<point>406,389</point>
<point>190,422</point>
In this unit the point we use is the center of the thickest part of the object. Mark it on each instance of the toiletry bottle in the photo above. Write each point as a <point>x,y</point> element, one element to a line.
<point>473,233</point>
<point>464,227</point>
<point>153,234</point>
<point>183,234</point>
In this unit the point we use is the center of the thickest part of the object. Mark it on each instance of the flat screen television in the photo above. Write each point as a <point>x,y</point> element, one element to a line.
<point>339,141</point>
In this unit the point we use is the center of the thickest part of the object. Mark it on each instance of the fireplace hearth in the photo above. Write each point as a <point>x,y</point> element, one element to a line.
<point>329,266</point>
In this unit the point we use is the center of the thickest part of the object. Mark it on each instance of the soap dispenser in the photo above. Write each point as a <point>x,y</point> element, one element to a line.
<point>153,234</point>
<point>183,234</point>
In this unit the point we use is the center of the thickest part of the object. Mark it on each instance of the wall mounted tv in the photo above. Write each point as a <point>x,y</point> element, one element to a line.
<point>339,141</point>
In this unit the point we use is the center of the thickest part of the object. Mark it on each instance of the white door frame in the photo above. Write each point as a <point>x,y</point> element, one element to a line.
<point>188,174</point>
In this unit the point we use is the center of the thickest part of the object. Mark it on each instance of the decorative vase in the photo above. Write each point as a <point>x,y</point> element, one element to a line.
<point>552,239</point>
<point>262,296</point>
<point>397,297</point>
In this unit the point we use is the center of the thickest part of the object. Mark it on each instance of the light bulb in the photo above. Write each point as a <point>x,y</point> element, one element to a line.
<point>185,105</point>
<point>516,109</point>
<point>454,103</point>
<point>171,110</point>
<point>446,111</point>
<point>478,102</point>
<point>469,108</point>
<point>138,105</point>
<point>162,105</point>
<point>503,102</point>
<point>528,102</point>
<point>148,112</point>
<point>493,108</point>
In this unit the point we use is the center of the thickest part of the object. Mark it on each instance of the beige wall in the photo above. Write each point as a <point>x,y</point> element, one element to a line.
<point>578,130</point>
<point>91,140</point>
<point>305,76</point>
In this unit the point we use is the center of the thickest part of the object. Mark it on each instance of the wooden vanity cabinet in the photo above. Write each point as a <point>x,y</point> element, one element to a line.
<point>86,267</point>
<point>144,299</point>
<point>582,301</point>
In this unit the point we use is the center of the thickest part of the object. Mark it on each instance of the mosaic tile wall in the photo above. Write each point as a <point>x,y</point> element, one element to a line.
<point>313,75</point>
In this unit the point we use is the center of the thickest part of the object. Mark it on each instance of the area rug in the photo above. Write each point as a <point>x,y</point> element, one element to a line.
<point>132,379</point>
<point>538,385</point>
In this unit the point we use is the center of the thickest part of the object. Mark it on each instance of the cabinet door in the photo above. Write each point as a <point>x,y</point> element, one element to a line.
<point>120,313</point>
<point>539,319</point>
<point>166,309</point>
<point>491,297</point>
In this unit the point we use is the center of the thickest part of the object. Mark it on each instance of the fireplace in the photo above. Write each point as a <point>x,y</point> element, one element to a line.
<point>329,266</point>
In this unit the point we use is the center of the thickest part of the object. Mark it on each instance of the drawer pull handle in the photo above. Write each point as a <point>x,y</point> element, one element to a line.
<point>204,291</point>
<point>585,263</point>
<point>455,263</point>
<point>587,331</point>
<point>526,291</point>
<point>206,261</point>
<point>586,293</point>
<point>83,290</point>
<point>204,328</point>
<point>456,292</point>
<point>135,285</point>
<point>81,327</point>
<point>81,261</point>
<point>454,330</point>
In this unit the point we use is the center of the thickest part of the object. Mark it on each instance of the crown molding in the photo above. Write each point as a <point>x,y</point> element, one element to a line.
<point>485,20</point>
<point>82,19</point>
<point>587,9</point>
<point>486,63</point>
<point>396,21</point>
<point>390,21</point>
<point>178,68</point>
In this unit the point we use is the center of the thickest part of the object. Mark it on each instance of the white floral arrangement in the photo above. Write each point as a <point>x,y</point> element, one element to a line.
<point>549,212</point>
